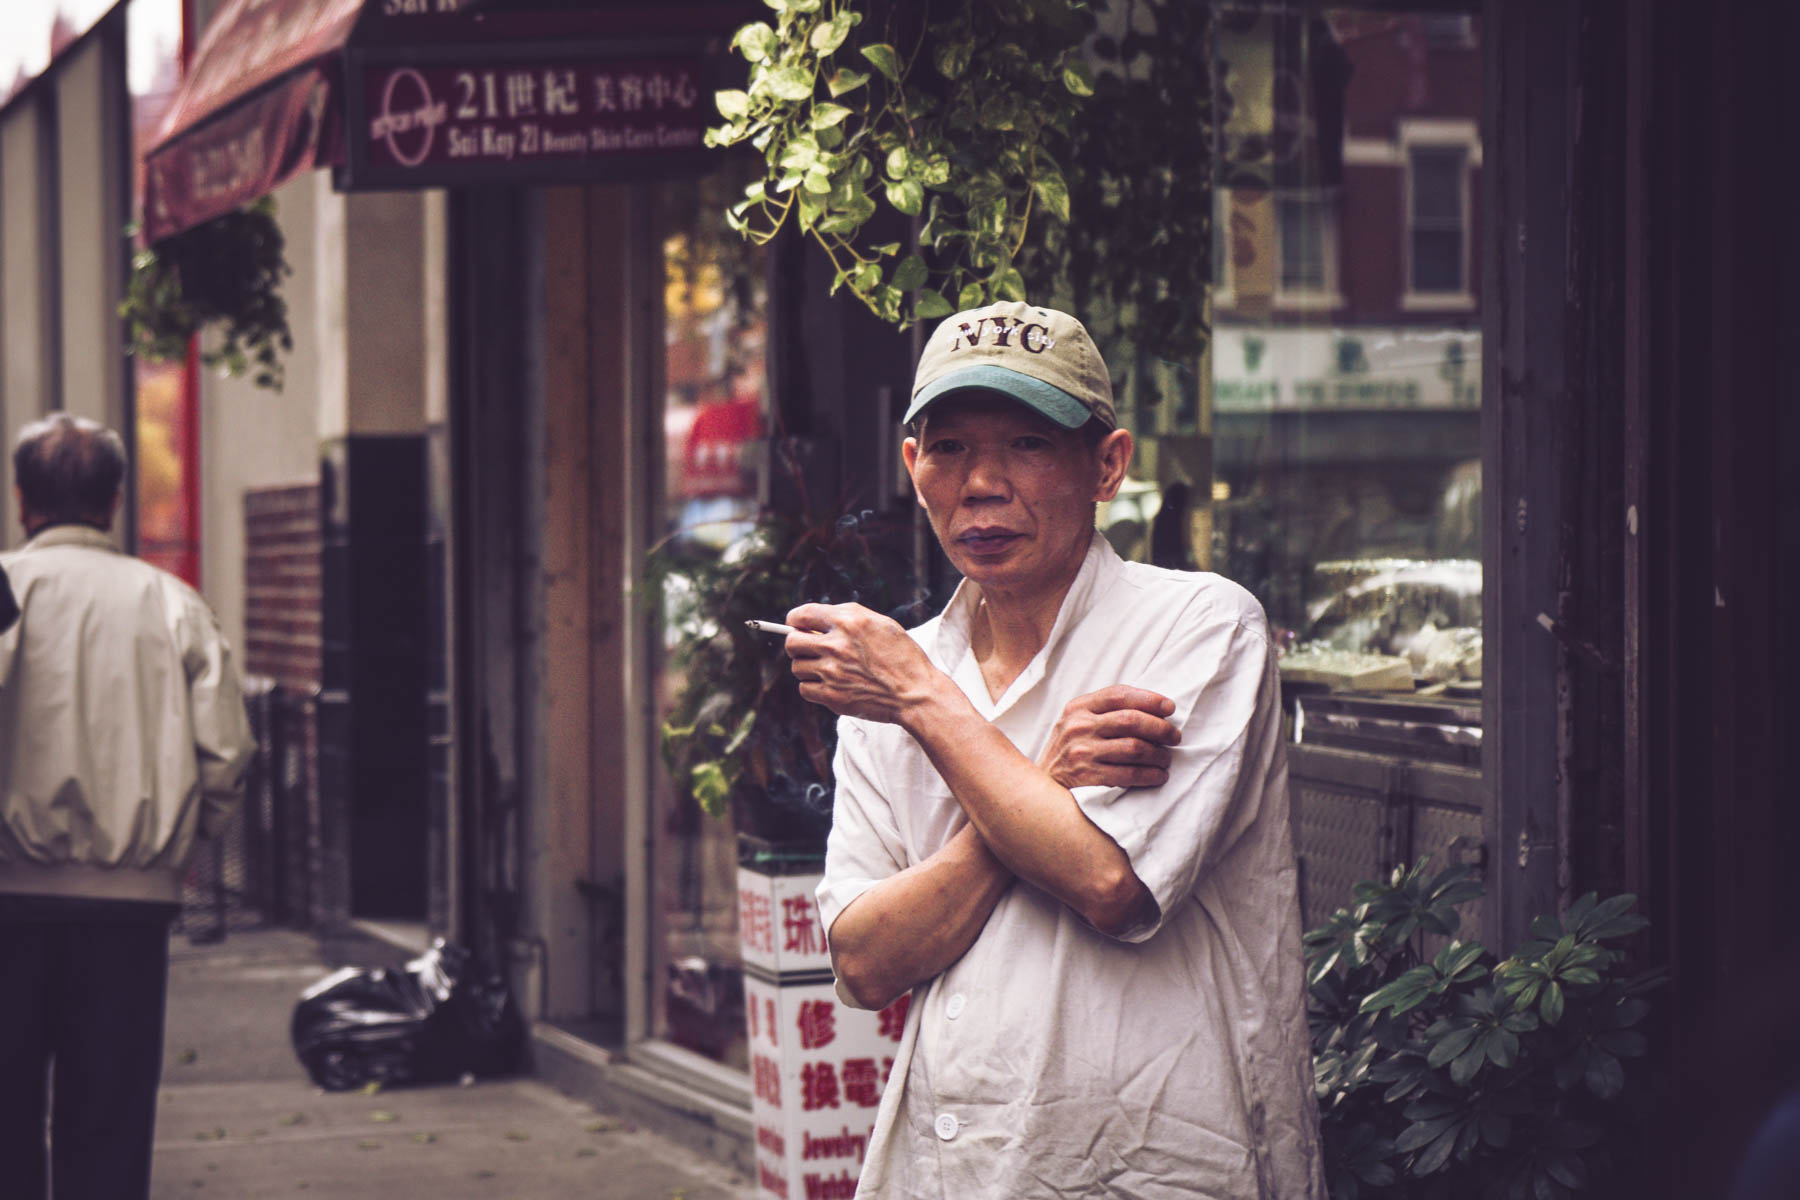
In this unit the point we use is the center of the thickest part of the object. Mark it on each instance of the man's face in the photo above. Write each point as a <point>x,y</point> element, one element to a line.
<point>1011,495</point>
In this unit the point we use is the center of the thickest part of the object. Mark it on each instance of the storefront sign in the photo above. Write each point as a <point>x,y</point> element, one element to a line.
<point>817,1066</point>
<point>430,124</point>
<point>1261,369</point>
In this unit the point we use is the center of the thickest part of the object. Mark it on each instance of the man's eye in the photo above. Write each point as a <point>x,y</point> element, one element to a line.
<point>1032,442</point>
<point>945,446</point>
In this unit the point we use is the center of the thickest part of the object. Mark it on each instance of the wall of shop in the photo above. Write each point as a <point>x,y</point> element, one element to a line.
<point>63,201</point>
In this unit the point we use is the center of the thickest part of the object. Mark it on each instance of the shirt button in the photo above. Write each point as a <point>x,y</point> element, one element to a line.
<point>946,1126</point>
<point>953,1009</point>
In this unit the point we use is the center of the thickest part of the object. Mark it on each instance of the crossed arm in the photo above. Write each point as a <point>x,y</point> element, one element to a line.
<point>1023,820</point>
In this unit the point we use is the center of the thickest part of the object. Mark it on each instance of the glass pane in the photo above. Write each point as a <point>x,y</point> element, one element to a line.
<point>1437,260</point>
<point>1437,186</point>
<point>1302,237</point>
<point>714,420</point>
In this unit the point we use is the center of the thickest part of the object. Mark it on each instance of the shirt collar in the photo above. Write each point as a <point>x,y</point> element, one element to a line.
<point>1099,569</point>
<point>72,534</point>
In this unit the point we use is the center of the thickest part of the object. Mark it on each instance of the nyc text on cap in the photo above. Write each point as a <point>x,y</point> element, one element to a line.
<point>1040,357</point>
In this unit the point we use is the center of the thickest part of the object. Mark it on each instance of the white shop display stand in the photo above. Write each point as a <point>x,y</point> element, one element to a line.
<point>817,1066</point>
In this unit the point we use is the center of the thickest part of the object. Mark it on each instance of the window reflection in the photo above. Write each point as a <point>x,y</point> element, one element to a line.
<point>714,421</point>
<point>1332,459</point>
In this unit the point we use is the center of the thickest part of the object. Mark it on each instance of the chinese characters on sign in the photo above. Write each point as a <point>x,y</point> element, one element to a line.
<point>817,1067</point>
<point>490,115</point>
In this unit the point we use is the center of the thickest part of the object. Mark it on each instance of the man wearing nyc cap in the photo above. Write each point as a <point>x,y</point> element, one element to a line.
<point>1061,821</point>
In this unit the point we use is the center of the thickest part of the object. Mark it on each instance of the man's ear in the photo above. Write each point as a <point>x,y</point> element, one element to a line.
<point>909,455</point>
<point>1113,455</point>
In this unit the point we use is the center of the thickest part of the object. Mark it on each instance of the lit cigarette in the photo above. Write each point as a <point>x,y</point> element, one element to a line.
<point>771,627</point>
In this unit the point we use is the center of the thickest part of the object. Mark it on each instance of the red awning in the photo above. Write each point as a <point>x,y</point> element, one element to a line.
<point>259,103</point>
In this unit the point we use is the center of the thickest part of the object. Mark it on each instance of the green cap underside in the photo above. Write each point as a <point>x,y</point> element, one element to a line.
<point>1041,397</point>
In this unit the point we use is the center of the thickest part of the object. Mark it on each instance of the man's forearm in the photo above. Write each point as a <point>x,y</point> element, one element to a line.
<point>1026,819</point>
<point>911,926</point>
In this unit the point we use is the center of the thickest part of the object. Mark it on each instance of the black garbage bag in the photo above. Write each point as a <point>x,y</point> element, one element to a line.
<point>441,1016</point>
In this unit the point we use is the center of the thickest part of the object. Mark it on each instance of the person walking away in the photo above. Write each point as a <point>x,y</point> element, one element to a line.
<point>123,739</point>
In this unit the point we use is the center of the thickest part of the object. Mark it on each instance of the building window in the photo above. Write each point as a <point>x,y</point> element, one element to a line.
<point>1223,296</point>
<point>1438,217</point>
<point>1306,250</point>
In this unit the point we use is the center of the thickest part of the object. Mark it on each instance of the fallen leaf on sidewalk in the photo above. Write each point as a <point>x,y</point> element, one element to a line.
<point>382,1116</point>
<point>371,1087</point>
<point>514,1135</point>
<point>424,1139</point>
<point>294,1119</point>
<point>186,1057</point>
<point>605,1125</point>
<point>210,1135</point>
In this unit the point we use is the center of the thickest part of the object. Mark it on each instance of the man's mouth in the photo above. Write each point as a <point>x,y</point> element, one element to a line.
<point>987,541</point>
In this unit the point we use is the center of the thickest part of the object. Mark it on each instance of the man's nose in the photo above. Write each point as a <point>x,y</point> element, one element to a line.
<point>987,478</point>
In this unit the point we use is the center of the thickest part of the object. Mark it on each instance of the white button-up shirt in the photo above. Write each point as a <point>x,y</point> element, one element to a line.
<point>123,733</point>
<point>1052,1060</point>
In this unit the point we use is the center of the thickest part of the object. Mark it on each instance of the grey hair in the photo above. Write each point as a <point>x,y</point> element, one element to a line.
<point>69,468</point>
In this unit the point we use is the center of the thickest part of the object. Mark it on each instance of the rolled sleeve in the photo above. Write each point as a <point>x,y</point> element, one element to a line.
<point>864,846</point>
<point>1220,674</point>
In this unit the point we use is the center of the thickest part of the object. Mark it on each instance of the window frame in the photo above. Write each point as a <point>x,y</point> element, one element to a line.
<point>1328,295</point>
<point>1453,135</point>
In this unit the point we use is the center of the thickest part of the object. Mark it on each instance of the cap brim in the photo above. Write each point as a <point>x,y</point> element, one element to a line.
<point>1043,398</point>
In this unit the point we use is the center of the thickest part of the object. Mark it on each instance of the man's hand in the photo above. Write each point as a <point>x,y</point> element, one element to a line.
<point>1116,737</point>
<point>856,662</point>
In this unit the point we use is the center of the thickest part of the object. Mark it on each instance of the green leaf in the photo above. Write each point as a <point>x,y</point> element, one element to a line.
<point>756,42</point>
<point>1434,1156</point>
<point>931,305</point>
<point>1010,285</point>
<point>824,116</point>
<point>732,103</point>
<point>1551,1005</point>
<point>1078,79</point>
<point>907,195</point>
<point>882,57</point>
<point>708,784</point>
<point>1451,1044</point>
<point>827,36</point>
<point>910,274</point>
<point>971,296</point>
<point>845,80</point>
<point>899,159</point>
<point>952,58</point>
<point>1054,195</point>
<point>790,83</point>
<point>1421,1133</point>
<point>1604,1076</point>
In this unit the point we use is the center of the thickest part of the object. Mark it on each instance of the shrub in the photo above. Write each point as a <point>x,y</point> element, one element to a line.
<point>1448,1074</point>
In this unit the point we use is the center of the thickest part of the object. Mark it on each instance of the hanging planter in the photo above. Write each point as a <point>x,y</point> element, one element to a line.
<point>225,275</point>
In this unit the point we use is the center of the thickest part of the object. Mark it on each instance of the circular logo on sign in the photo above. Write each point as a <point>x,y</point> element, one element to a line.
<point>408,120</point>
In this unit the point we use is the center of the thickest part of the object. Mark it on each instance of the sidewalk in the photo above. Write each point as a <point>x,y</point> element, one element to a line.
<point>237,1117</point>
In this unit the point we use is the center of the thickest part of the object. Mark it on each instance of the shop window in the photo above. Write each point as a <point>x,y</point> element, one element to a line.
<point>1327,456</point>
<point>715,418</point>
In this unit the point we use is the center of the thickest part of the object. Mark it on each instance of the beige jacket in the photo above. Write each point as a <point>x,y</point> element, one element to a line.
<point>123,734</point>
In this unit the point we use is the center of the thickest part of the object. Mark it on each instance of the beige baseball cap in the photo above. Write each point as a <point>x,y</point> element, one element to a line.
<point>1040,357</point>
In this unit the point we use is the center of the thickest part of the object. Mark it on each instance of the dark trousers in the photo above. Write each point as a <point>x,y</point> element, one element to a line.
<point>81,1034</point>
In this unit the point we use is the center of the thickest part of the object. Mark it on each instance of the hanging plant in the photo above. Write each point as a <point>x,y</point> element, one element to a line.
<point>953,121</point>
<point>1051,147</point>
<point>225,274</point>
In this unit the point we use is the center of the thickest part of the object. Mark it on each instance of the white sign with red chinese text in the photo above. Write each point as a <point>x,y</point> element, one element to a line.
<point>817,1066</point>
